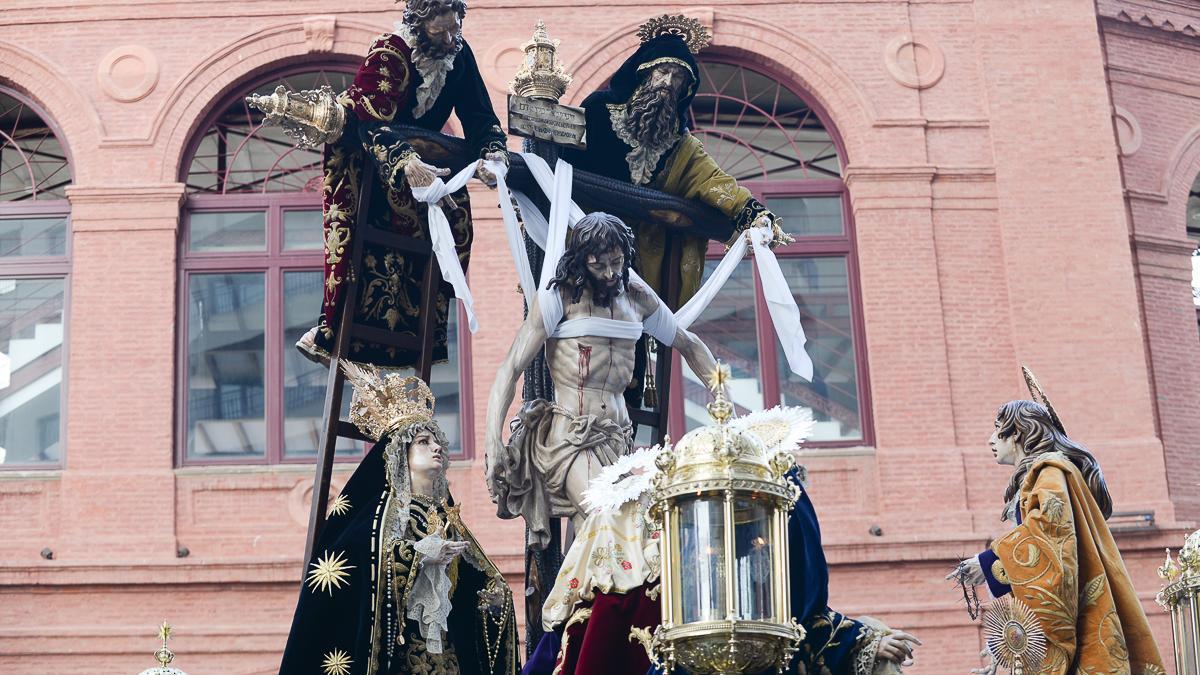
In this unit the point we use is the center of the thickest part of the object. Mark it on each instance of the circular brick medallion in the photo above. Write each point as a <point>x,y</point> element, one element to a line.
<point>128,73</point>
<point>914,63</point>
<point>1129,132</point>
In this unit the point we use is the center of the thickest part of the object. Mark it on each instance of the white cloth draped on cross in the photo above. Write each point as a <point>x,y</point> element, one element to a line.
<point>550,235</point>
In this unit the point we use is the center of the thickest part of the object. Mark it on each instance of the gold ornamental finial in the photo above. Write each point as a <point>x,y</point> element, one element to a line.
<point>691,31</point>
<point>163,655</point>
<point>541,76</point>
<point>312,118</point>
<point>382,403</point>
<point>720,409</point>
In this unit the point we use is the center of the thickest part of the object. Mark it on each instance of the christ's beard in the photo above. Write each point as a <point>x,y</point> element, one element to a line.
<point>602,293</point>
<point>652,117</point>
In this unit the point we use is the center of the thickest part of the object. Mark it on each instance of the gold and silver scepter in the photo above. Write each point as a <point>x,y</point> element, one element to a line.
<point>312,117</point>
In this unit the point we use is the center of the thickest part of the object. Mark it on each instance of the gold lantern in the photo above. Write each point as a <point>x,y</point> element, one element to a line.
<point>541,75</point>
<point>722,501</point>
<point>1181,597</point>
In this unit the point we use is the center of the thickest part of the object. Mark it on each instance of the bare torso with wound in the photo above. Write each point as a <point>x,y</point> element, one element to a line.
<point>591,373</point>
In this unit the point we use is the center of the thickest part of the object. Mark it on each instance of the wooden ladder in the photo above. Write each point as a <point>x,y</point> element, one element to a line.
<point>348,329</point>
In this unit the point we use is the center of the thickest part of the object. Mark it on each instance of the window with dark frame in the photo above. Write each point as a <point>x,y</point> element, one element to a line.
<point>34,266</point>
<point>768,137</point>
<point>1192,223</point>
<point>251,283</point>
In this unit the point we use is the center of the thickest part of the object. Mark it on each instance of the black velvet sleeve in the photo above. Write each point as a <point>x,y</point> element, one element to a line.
<point>474,109</point>
<point>387,149</point>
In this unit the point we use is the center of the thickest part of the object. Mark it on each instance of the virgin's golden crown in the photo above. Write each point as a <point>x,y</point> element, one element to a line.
<point>382,403</point>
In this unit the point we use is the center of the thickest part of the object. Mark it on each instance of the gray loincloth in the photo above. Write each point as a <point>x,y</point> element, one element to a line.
<point>529,478</point>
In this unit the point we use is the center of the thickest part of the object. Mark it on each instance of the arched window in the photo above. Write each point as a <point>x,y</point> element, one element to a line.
<point>251,285</point>
<point>1193,233</point>
<point>34,264</point>
<point>768,137</point>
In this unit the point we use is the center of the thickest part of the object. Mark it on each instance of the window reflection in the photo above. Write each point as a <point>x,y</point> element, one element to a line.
<point>225,378</point>
<point>729,327</point>
<point>304,382</point>
<point>31,339</point>
<point>822,291</point>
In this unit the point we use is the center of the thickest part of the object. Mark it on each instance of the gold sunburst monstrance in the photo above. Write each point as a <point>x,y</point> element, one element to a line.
<point>1015,639</point>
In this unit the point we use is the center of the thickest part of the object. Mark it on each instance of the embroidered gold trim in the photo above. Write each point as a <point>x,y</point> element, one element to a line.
<point>579,616</point>
<point>999,573</point>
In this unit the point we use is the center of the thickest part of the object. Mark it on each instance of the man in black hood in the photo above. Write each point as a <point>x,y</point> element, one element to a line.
<point>637,130</point>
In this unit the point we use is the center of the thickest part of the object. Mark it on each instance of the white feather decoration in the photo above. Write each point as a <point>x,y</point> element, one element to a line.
<point>780,428</point>
<point>622,481</point>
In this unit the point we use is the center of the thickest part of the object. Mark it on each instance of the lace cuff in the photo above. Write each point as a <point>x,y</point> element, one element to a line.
<point>429,600</point>
<point>867,650</point>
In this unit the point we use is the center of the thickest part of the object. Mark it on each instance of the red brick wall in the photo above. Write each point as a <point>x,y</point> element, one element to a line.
<point>992,231</point>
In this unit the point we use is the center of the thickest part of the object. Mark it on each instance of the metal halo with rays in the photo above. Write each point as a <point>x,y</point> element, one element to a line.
<point>1039,396</point>
<point>693,33</point>
<point>1014,637</point>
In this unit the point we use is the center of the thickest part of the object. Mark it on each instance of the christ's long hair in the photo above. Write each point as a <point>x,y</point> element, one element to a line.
<point>594,234</point>
<point>1036,434</point>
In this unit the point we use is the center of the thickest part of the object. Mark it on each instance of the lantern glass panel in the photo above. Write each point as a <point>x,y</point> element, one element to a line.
<point>701,537</point>
<point>1185,611</point>
<point>753,548</point>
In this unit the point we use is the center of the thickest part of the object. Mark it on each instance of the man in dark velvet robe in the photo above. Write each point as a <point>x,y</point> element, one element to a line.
<point>637,131</point>
<point>415,76</point>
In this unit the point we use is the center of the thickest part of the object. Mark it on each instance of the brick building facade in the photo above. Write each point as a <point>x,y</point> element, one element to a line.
<point>977,184</point>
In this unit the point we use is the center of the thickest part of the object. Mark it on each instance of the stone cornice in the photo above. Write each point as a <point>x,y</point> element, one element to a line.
<point>1149,242</point>
<point>125,207</point>
<point>1168,17</point>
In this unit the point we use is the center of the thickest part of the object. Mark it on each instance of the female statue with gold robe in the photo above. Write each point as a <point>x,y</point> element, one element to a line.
<point>1060,561</point>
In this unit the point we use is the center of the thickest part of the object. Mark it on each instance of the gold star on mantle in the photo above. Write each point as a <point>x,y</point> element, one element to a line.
<point>340,506</point>
<point>329,572</point>
<point>337,662</point>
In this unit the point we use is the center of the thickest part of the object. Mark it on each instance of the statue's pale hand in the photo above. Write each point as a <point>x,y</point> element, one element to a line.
<point>989,668</point>
<point>420,174</point>
<point>483,174</point>
<point>778,236</point>
<point>897,647</point>
<point>446,549</point>
<point>969,571</point>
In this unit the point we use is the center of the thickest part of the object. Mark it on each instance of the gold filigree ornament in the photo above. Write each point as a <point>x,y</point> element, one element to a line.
<point>1014,637</point>
<point>312,118</point>
<point>693,33</point>
<point>383,403</point>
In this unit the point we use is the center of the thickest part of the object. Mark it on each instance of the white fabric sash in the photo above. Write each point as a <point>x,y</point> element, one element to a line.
<point>442,239</point>
<point>551,238</point>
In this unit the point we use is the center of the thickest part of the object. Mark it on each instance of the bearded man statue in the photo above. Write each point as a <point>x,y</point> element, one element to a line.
<point>637,130</point>
<point>415,76</point>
